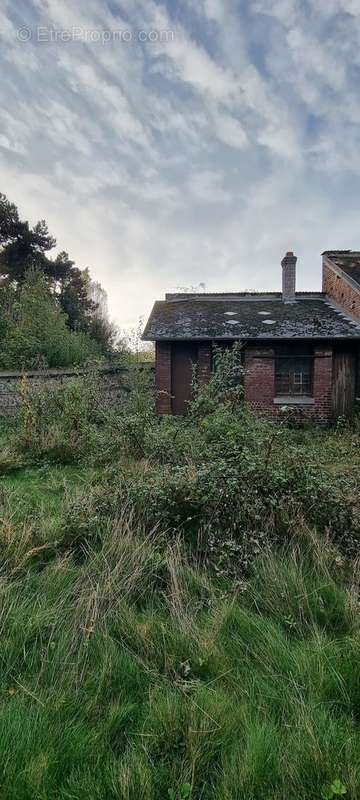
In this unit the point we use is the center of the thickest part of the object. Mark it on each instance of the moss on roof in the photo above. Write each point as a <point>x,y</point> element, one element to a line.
<point>248,317</point>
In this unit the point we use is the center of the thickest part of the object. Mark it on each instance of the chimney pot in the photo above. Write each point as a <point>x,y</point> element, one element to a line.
<point>289,277</point>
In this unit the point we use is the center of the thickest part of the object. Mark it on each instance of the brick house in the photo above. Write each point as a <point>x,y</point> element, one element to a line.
<point>300,349</point>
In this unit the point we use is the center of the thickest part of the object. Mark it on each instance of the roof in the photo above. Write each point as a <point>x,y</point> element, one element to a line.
<point>348,261</point>
<point>249,316</point>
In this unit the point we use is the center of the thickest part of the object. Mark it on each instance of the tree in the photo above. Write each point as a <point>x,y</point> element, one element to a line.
<point>22,247</point>
<point>75,299</point>
<point>10,224</point>
<point>7,300</point>
<point>62,267</point>
<point>37,332</point>
<point>103,331</point>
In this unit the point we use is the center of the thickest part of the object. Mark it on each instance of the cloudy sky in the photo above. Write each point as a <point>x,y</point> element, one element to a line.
<point>169,143</point>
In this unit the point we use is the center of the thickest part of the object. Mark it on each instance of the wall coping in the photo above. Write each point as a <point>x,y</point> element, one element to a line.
<point>68,371</point>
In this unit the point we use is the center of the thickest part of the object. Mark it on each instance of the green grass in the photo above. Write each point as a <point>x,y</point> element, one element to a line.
<point>111,688</point>
<point>43,487</point>
<point>127,672</point>
<point>133,673</point>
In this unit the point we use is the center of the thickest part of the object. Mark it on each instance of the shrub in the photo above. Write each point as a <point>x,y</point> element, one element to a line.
<point>219,476</point>
<point>225,386</point>
<point>36,331</point>
<point>60,423</point>
<point>237,495</point>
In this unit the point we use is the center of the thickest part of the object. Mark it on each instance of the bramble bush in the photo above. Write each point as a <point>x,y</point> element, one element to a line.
<point>127,669</point>
<point>222,475</point>
<point>226,481</point>
<point>60,423</point>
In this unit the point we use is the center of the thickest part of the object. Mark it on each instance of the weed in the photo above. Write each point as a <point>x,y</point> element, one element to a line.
<point>183,792</point>
<point>334,789</point>
<point>176,618</point>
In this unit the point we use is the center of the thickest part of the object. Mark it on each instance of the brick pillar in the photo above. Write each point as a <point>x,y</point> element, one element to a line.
<point>259,381</point>
<point>323,365</point>
<point>204,362</point>
<point>163,377</point>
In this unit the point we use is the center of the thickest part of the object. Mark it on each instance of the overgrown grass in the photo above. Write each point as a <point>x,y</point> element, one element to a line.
<point>134,673</point>
<point>179,605</point>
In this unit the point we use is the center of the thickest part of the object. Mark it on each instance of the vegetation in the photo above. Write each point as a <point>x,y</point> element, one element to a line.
<point>35,332</point>
<point>50,310</point>
<point>179,601</point>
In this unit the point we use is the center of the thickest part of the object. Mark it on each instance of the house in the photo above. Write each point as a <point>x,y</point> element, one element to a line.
<point>301,349</point>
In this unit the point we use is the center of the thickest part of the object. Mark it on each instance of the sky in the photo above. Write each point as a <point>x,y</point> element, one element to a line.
<point>172,144</point>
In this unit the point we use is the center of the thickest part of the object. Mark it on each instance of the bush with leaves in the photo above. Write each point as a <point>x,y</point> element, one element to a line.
<point>35,329</point>
<point>225,385</point>
<point>62,423</point>
<point>129,424</point>
<point>219,475</point>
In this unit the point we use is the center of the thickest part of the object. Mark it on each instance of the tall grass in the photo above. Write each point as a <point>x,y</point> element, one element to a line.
<point>132,673</point>
<point>138,658</point>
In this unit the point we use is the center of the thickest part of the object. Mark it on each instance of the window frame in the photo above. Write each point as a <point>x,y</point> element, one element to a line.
<point>300,360</point>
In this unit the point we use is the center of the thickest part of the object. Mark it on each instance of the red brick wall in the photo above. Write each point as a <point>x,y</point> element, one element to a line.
<point>204,362</point>
<point>259,382</point>
<point>341,291</point>
<point>163,377</point>
<point>260,385</point>
<point>323,367</point>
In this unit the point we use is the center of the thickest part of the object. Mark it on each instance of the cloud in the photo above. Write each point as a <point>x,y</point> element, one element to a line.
<point>206,186</point>
<point>198,159</point>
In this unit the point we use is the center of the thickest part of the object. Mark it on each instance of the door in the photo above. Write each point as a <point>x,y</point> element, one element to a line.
<point>183,356</point>
<point>343,393</point>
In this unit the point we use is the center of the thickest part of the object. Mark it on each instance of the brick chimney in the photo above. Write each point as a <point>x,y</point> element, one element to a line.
<point>288,277</point>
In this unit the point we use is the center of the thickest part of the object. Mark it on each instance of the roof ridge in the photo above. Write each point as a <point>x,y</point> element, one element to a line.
<point>218,294</point>
<point>341,253</point>
<point>201,295</point>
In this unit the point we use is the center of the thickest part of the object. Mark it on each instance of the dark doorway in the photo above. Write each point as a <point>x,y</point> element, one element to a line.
<point>344,373</point>
<point>183,356</point>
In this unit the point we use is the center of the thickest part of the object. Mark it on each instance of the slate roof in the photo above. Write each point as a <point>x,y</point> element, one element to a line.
<point>346,260</point>
<point>248,316</point>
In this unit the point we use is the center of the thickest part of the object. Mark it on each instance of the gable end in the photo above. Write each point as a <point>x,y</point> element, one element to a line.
<point>340,286</point>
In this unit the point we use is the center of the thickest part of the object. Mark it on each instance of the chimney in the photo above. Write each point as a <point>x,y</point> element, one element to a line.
<point>288,277</point>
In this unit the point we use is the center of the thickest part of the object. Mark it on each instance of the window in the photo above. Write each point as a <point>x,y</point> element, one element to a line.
<point>294,370</point>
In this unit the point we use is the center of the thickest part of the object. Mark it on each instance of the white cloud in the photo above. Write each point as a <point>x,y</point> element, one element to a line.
<point>207,187</point>
<point>215,9</point>
<point>200,160</point>
<point>283,10</point>
<point>229,130</point>
<point>193,65</point>
<point>331,7</point>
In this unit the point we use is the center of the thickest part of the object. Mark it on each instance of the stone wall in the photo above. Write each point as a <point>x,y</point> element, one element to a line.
<point>112,381</point>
